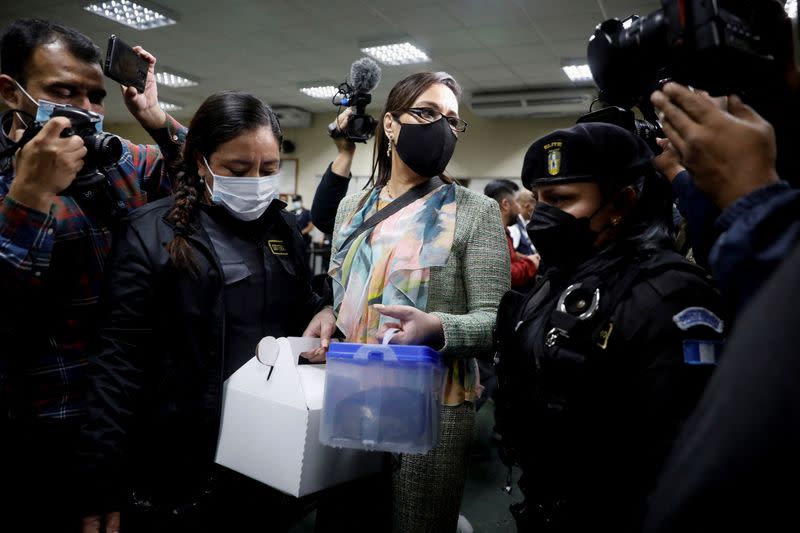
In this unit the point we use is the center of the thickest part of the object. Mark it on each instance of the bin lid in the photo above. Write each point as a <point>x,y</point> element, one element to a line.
<point>372,352</point>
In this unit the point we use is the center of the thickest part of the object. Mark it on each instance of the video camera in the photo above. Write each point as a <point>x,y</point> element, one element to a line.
<point>722,47</point>
<point>365,75</point>
<point>103,149</point>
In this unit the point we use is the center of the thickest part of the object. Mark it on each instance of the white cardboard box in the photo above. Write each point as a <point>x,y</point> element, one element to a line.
<point>270,428</point>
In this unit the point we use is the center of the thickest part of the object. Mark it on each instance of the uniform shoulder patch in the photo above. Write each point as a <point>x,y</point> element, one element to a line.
<point>698,316</point>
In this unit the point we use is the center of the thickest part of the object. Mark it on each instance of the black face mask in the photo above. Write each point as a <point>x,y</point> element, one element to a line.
<point>562,239</point>
<point>426,148</point>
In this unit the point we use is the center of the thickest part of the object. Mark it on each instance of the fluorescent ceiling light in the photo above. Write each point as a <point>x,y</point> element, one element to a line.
<point>578,72</point>
<point>173,80</point>
<point>791,8</point>
<point>396,54</point>
<point>130,14</point>
<point>167,106</point>
<point>320,91</point>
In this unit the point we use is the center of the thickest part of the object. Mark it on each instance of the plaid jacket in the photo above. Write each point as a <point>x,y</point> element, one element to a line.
<point>51,274</point>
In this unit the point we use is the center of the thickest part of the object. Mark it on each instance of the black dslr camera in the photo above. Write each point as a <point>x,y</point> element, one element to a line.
<point>722,47</point>
<point>648,130</point>
<point>103,148</point>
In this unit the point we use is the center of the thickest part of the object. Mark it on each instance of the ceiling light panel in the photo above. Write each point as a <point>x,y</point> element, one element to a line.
<point>396,54</point>
<point>130,14</point>
<point>320,91</point>
<point>578,72</point>
<point>169,79</point>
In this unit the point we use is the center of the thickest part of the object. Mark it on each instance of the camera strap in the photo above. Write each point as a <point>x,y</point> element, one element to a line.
<point>410,196</point>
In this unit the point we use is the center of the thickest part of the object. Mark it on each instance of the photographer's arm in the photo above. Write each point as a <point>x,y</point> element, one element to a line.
<point>45,166</point>
<point>150,162</point>
<point>737,171</point>
<point>699,212</point>
<point>335,181</point>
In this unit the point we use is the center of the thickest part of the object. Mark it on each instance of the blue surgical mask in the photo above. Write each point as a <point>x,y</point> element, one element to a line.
<point>246,198</point>
<point>44,111</point>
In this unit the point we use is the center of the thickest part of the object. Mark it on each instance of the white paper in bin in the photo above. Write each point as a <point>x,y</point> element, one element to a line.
<point>270,429</point>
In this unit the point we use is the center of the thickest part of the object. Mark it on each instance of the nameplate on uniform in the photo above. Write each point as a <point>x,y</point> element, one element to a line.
<point>277,247</point>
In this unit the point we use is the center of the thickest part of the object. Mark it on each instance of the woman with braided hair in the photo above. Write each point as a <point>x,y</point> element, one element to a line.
<point>195,282</point>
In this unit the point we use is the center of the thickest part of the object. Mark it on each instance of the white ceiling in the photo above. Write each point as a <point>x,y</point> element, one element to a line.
<point>269,47</point>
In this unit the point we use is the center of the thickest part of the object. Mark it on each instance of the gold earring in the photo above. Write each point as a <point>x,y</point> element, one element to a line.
<point>615,221</point>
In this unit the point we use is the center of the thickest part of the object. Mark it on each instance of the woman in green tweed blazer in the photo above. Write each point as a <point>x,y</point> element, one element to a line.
<point>463,292</point>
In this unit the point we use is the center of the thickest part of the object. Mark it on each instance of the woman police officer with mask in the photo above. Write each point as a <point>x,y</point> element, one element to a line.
<point>196,281</point>
<point>600,363</point>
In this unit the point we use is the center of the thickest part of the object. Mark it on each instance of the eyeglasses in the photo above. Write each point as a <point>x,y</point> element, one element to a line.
<point>428,114</point>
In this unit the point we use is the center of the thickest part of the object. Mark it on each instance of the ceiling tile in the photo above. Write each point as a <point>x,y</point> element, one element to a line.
<point>567,28</point>
<point>559,8</point>
<point>538,73</point>
<point>439,42</point>
<point>493,74</point>
<point>472,13</point>
<point>527,53</point>
<point>506,34</point>
<point>574,49</point>
<point>420,18</point>
<point>474,58</point>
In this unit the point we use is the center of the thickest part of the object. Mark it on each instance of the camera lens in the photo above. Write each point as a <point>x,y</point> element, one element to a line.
<point>106,148</point>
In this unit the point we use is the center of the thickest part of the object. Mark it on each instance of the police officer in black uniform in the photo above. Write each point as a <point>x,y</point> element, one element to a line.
<point>195,282</point>
<point>600,363</point>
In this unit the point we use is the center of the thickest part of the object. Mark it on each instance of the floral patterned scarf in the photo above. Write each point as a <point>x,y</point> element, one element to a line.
<point>390,264</point>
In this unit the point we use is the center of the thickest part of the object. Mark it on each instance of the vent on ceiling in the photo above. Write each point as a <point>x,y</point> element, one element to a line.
<point>292,117</point>
<point>533,103</point>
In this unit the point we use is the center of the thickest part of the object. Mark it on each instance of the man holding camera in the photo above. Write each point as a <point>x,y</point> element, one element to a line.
<point>53,247</point>
<point>736,462</point>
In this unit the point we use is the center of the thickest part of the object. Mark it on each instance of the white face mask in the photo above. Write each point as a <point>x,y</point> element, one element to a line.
<point>247,197</point>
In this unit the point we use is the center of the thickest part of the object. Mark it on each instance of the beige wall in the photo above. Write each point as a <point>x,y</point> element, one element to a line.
<point>490,148</point>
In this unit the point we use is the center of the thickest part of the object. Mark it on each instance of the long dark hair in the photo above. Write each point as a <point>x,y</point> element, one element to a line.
<point>648,227</point>
<point>221,118</point>
<point>401,97</point>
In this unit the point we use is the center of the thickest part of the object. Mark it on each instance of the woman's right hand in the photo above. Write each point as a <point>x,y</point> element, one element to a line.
<point>343,143</point>
<point>347,148</point>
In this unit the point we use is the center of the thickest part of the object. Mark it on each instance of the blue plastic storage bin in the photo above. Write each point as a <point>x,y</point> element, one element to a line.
<point>382,397</point>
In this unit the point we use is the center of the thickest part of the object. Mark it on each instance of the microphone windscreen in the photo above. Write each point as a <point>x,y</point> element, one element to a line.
<point>365,74</point>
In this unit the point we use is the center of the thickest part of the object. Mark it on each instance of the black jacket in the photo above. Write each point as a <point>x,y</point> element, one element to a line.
<point>591,417</point>
<point>330,191</point>
<point>736,465</point>
<point>155,395</point>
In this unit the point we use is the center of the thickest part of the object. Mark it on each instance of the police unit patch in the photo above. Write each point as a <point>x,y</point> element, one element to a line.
<point>698,316</point>
<point>553,157</point>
